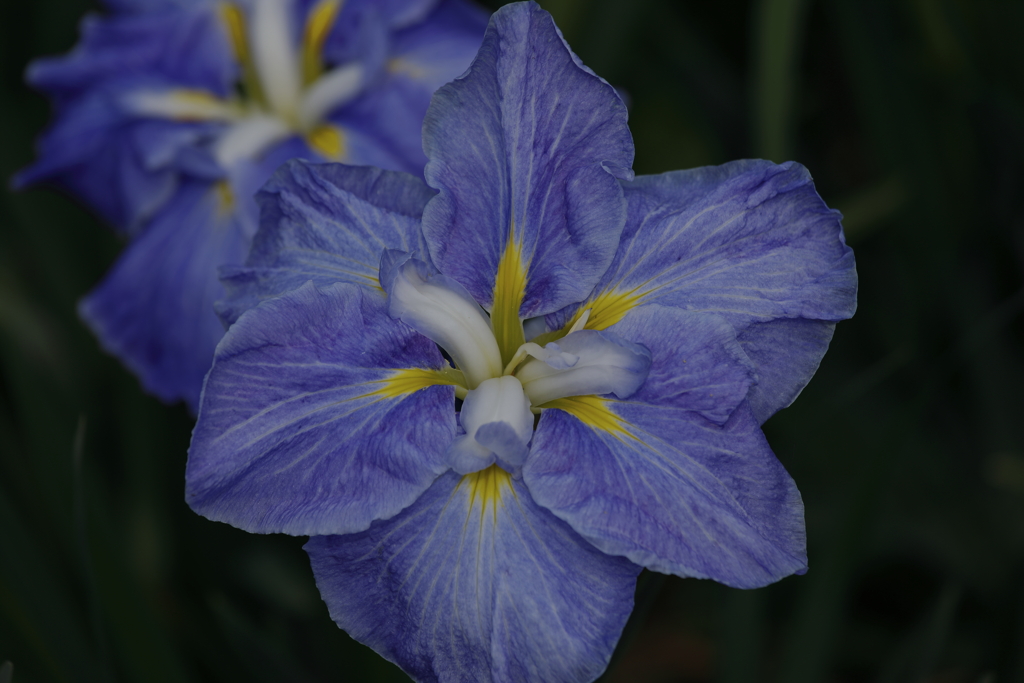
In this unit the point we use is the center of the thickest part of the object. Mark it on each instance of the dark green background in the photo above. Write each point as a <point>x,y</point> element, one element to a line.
<point>908,446</point>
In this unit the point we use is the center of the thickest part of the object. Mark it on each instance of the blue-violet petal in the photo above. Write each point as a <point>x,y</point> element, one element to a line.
<point>475,582</point>
<point>311,421</point>
<point>326,223</point>
<point>154,308</point>
<point>525,149</point>
<point>750,241</point>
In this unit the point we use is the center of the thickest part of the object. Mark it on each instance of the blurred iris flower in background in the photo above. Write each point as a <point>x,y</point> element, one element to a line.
<point>170,115</point>
<point>667,317</point>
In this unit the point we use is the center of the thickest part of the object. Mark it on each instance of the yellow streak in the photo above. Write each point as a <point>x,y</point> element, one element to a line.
<point>225,198</point>
<point>231,15</point>
<point>487,487</point>
<point>397,65</point>
<point>592,411</point>
<point>234,20</point>
<point>186,104</point>
<point>327,141</point>
<point>410,380</point>
<point>509,289</point>
<point>606,309</point>
<point>318,26</point>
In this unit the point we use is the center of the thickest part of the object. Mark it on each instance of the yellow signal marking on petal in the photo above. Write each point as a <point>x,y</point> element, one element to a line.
<point>234,20</point>
<point>318,26</point>
<point>327,141</point>
<point>509,290</point>
<point>186,104</point>
<point>397,65</point>
<point>606,309</point>
<point>592,411</point>
<point>410,380</point>
<point>487,487</point>
<point>225,198</point>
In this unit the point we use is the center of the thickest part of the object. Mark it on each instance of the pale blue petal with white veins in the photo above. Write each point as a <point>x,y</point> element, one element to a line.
<point>304,428</point>
<point>154,308</point>
<point>326,223</point>
<point>672,491</point>
<point>697,363</point>
<point>526,145</point>
<point>750,241</point>
<point>474,582</point>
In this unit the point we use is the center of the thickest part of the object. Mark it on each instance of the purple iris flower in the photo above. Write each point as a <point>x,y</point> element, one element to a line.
<point>170,114</point>
<point>492,401</point>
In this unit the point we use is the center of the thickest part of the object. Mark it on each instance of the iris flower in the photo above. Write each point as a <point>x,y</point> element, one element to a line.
<point>172,113</point>
<point>492,401</point>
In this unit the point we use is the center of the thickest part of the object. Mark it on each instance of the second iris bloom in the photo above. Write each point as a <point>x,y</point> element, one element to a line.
<point>170,115</point>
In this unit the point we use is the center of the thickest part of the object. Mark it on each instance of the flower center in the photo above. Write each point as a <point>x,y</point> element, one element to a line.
<point>498,408</point>
<point>284,88</point>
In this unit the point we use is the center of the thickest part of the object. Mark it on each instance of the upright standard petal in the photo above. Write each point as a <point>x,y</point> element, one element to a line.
<point>475,582</point>
<point>442,310</point>
<point>604,363</point>
<point>154,308</point>
<point>499,425</point>
<point>750,241</point>
<point>326,223</point>
<point>320,415</point>
<point>525,149</point>
<point>678,478</point>
<point>271,45</point>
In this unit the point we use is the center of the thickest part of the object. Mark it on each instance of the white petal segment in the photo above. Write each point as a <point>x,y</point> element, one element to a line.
<point>248,138</point>
<point>607,364</point>
<point>498,423</point>
<point>275,56</point>
<point>181,104</point>
<point>331,90</point>
<point>442,310</point>
<point>552,354</point>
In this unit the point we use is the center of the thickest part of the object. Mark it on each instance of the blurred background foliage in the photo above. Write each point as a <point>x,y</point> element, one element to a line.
<point>908,446</point>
